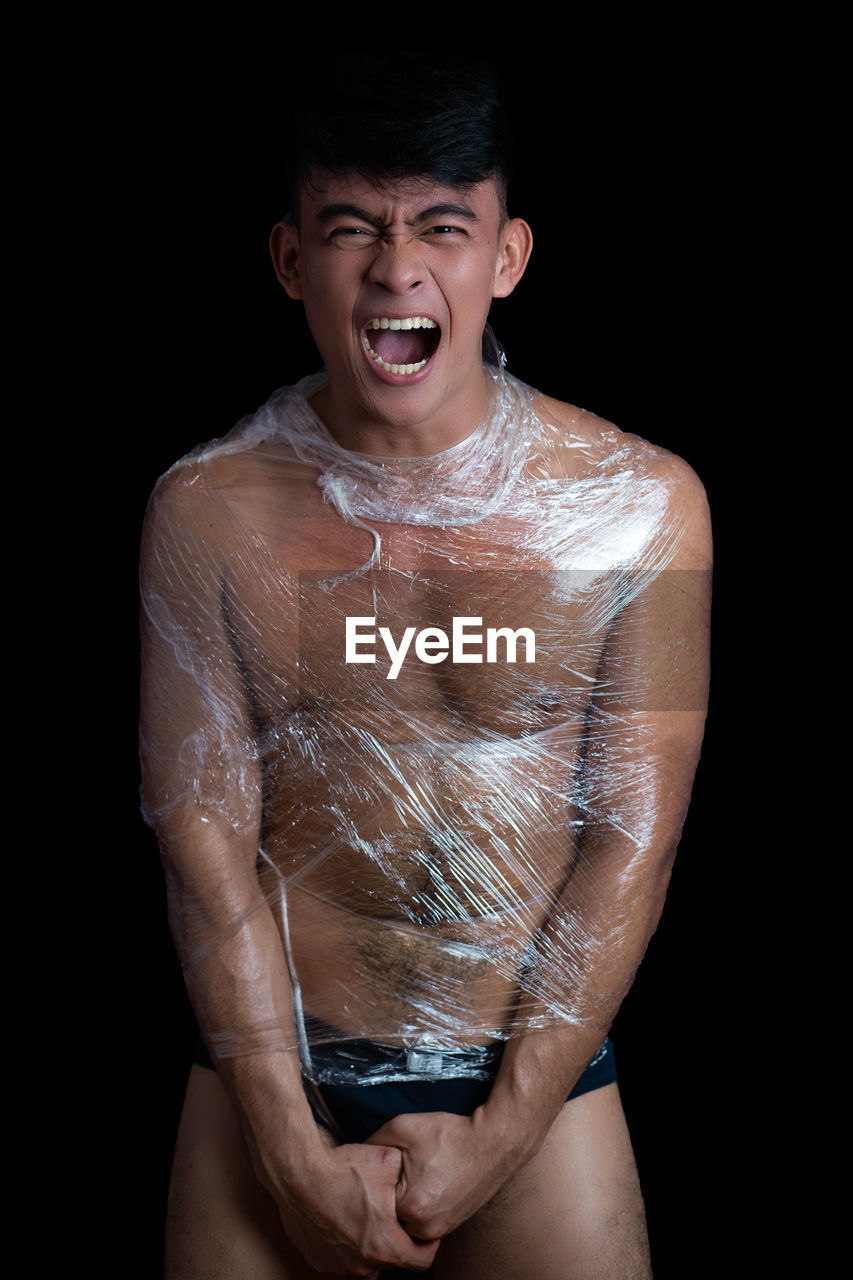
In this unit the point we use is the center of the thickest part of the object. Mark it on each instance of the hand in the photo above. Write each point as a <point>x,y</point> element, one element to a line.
<point>449,1170</point>
<point>343,1216</point>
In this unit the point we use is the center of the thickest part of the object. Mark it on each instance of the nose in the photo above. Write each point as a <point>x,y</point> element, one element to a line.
<point>397,265</point>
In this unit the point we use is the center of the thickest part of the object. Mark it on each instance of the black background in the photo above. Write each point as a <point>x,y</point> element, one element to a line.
<point>638,190</point>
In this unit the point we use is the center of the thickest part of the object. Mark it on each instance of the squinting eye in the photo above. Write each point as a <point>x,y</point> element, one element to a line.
<point>351,237</point>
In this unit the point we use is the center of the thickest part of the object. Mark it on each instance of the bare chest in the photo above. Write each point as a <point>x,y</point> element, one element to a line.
<point>461,632</point>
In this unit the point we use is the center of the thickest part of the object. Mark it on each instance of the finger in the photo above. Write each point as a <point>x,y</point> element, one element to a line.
<point>418,1253</point>
<point>392,1161</point>
<point>390,1158</point>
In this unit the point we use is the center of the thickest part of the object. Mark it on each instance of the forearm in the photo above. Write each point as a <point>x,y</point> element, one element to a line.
<point>250,1029</point>
<point>456,1164</point>
<point>586,957</point>
<point>537,1073</point>
<point>238,979</point>
<point>337,1203</point>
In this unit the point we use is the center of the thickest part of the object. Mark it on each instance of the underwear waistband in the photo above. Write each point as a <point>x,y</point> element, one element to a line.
<point>359,1061</point>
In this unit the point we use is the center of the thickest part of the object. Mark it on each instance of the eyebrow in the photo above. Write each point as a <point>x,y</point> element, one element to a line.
<point>331,211</point>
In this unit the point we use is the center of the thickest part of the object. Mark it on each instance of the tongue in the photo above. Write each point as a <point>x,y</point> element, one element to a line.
<point>398,346</point>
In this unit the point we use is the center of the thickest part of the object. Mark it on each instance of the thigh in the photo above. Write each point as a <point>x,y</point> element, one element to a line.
<point>575,1212</point>
<point>221,1223</point>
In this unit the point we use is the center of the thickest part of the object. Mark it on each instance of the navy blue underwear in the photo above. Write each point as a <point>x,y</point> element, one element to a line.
<point>359,1110</point>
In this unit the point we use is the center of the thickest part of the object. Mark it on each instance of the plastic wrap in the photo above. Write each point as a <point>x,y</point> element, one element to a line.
<point>435,718</point>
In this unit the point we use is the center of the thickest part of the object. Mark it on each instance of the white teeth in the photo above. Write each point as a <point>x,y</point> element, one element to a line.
<point>393,368</point>
<point>410,322</point>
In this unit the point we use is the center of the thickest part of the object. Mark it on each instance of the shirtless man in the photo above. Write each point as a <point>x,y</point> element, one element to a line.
<point>424,682</point>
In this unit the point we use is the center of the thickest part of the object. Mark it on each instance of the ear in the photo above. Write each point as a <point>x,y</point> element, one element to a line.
<point>284,248</point>
<point>516,242</point>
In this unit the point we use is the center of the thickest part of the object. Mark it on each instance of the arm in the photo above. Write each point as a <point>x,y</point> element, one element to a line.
<point>202,792</point>
<point>337,1204</point>
<point>643,745</point>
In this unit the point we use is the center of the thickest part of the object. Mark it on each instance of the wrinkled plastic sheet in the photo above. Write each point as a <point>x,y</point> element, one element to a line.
<point>437,704</point>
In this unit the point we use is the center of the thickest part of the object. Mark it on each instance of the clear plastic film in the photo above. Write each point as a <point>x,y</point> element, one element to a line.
<point>418,734</point>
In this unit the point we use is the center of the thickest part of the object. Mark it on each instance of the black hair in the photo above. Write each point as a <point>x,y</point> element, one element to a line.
<point>398,114</point>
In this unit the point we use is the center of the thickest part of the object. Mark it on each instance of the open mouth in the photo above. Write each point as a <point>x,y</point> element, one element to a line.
<point>401,346</point>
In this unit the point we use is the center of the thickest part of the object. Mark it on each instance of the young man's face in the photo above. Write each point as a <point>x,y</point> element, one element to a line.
<point>397,282</point>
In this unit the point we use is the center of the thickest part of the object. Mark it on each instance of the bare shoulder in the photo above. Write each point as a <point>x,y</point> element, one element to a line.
<point>181,505</point>
<point>205,491</point>
<point>582,438</point>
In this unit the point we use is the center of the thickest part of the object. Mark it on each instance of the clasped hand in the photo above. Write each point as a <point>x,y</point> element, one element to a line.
<point>448,1171</point>
<point>391,1200</point>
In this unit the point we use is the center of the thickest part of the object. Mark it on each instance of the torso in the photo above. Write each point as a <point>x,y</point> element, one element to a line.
<point>420,827</point>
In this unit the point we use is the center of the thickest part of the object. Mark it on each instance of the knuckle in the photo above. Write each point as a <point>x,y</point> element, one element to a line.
<point>421,1226</point>
<point>394,1156</point>
<point>418,1201</point>
<point>418,1212</point>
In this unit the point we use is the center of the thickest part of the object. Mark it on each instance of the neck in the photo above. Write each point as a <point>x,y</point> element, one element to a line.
<point>402,436</point>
